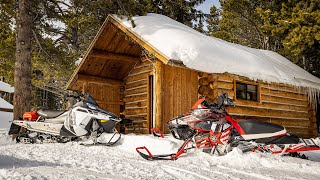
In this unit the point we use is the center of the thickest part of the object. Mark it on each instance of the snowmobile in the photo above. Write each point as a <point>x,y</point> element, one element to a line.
<point>210,128</point>
<point>84,119</point>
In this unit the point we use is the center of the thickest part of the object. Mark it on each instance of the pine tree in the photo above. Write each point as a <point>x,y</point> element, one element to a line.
<point>290,28</point>
<point>297,24</point>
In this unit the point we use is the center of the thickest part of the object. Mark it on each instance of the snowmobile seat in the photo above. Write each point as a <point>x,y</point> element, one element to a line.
<point>259,127</point>
<point>49,113</point>
<point>286,139</point>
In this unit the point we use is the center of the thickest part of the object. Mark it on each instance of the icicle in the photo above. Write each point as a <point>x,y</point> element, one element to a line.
<point>313,96</point>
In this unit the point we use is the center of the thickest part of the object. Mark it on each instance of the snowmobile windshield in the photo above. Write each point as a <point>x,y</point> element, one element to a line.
<point>89,99</point>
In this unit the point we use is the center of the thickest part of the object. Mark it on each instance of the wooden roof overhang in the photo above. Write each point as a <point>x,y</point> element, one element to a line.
<point>111,55</point>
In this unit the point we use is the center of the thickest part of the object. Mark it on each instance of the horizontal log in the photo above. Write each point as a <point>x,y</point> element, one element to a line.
<point>240,102</point>
<point>225,85</point>
<point>266,112</point>
<point>134,116</point>
<point>114,56</point>
<point>98,80</point>
<point>283,100</point>
<point>137,104</point>
<point>229,91</point>
<point>304,131</point>
<point>136,81</point>
<point>137,117</point>
<point>136,77</point>
<point>283,94</point>
<point>285,97</point>
<point>128,112</point>
<point>204,90</point>
<point>203,81</point>
<point>288,89</point>
<point>141,69</point>
<point>143,63</point>
<point>237,115</point>
<point>223,80</point>
<point>284,122</point>
<point>136,90</point>
<point>135,98</point>
<point>135,107</point>
<point>212,77</point>
<point>140,72</point>
<point>136,87</point>
<point>202,74</point>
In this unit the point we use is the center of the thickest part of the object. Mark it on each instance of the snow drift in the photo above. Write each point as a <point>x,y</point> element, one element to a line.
<point>74,161</point>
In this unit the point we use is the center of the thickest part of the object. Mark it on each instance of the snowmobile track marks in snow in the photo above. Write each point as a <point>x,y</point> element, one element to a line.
<point>168,168</point>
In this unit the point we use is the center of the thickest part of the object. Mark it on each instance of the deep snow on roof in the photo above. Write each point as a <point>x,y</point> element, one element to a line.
<point>208,54</point>
<point>6,87</point>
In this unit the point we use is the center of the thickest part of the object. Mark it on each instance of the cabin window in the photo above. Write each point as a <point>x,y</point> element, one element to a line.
<point>246,91</point>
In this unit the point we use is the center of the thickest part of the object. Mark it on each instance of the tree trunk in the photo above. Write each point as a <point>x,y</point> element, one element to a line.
<point>22,73</point>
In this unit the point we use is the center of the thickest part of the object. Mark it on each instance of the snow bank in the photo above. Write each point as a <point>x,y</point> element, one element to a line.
<point>208,54</point>
<point>74,161</point>
<point>6,87</point>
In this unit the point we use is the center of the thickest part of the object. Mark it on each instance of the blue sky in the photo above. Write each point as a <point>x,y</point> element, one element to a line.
<point>205,7</point>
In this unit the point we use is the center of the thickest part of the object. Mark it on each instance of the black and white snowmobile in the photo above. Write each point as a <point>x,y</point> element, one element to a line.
<point>84,119</point>
<point>210,128</point>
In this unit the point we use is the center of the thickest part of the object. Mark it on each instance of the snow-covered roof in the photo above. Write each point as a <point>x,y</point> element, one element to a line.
<point>6,87</point>
<point>208,54</point>
<point>4,104</point>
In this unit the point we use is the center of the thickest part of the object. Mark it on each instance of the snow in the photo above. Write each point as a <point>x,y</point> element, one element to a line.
<point>6,87</point>
<point>74,161</point>
<point>208,54</point>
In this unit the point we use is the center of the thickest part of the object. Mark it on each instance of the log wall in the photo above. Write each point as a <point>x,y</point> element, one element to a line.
<point>136,96</point>
<point>277,103</point>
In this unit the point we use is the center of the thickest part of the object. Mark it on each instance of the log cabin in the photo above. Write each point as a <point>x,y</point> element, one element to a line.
<point>156,68</point>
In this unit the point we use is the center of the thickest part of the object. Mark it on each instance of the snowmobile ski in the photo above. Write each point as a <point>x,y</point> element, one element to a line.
<point>174,156</point>
<point>112,141</point>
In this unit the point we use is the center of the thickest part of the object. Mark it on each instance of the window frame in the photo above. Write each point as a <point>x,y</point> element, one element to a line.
<point>247,83</point>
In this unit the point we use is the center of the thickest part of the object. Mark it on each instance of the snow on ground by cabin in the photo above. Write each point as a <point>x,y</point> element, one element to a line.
<point>176,41</point>
<point>75,161</point>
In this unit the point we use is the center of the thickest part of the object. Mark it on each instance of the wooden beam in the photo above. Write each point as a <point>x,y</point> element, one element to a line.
<point>158,96</point>
<point>99,80</point>
<point>114,56</point>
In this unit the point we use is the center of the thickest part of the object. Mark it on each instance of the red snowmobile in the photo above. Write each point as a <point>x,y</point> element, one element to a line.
<point>210,128</point>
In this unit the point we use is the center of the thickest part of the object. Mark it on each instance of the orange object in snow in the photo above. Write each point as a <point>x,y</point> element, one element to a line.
<point>30,116</point>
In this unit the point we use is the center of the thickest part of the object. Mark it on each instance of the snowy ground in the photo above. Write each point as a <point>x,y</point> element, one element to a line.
<point>74,161</point>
